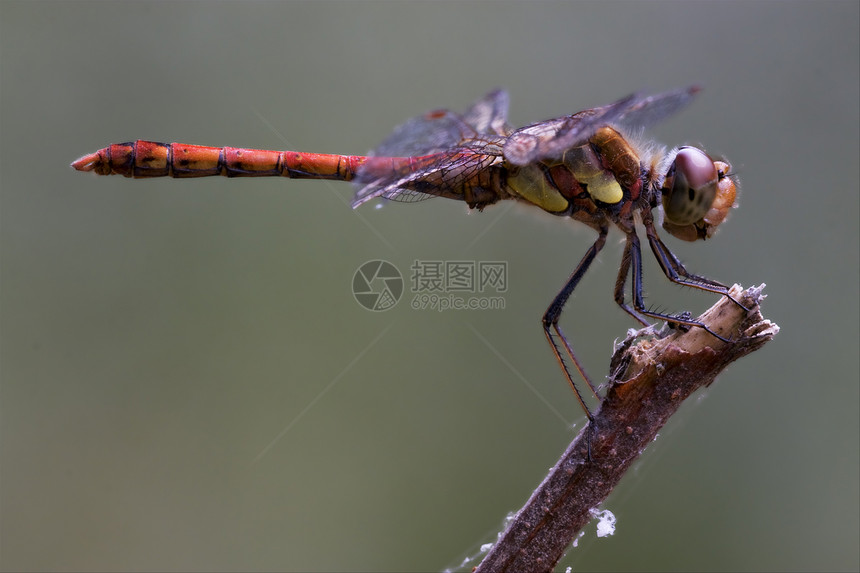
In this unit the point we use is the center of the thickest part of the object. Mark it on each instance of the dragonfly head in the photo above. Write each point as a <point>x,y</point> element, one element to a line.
<point>697,194</point>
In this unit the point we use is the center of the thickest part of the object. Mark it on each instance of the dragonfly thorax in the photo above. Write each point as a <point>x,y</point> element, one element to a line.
<point>604,170</point>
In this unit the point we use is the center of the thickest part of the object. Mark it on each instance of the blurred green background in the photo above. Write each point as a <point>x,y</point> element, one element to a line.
<point>188,384</point>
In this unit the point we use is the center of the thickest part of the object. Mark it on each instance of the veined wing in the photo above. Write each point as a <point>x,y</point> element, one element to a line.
<point>443,130</point>
<point>549,139</point>
<point>489,115</point>
<point>447,174</point>
<point>441,153</point>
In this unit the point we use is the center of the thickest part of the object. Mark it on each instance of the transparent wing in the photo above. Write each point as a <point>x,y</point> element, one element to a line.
<point>442,130</point>
<point>489,115</point>
<point>549,139</point>
<point>447,174</point>
<point>431,133</point>
<point>443,152</point>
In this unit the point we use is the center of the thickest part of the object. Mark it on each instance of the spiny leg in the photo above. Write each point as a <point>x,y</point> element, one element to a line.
<point>553,313</point>
<point>638,299</point>
<point>675,271</point>
<point>623,271</point>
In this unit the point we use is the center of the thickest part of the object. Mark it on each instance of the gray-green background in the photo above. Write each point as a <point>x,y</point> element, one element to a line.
<point>158,336</point>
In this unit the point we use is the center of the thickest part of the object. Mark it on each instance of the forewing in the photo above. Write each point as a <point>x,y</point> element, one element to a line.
<point>648,110</point>
<point>550,139</point>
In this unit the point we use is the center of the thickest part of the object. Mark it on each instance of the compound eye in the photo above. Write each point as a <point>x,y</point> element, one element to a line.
<point>690,187</point>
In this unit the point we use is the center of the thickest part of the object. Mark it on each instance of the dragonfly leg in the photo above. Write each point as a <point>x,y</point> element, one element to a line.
<point>624,271</point>
<point>677,273</point>
<point>553,313</point>
<point>672,268</point>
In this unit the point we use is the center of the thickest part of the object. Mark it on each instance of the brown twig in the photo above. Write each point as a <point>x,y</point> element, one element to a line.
<point>648,382</point>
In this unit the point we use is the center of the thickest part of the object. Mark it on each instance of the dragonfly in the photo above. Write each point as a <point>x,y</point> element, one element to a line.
<point>588,167</point>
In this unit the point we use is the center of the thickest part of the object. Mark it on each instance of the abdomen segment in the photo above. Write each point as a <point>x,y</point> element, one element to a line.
<point>152,159</point>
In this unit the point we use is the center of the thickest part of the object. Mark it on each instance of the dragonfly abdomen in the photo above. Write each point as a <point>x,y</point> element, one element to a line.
<point>141,159</point>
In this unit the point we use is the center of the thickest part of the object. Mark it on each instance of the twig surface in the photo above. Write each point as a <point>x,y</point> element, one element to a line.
<point>649,380</point>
